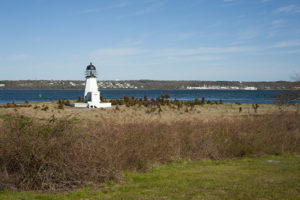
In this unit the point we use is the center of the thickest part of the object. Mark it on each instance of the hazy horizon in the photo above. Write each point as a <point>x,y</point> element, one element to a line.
<point>201,40</point>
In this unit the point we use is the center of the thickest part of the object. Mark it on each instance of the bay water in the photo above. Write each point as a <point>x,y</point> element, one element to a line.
<point>241,96</point>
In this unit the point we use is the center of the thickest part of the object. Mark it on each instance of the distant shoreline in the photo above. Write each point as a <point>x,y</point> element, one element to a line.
<point>100,89</point>
<point>146,85</point>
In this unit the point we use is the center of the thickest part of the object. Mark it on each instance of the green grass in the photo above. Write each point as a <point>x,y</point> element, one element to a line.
<point>272,177</point>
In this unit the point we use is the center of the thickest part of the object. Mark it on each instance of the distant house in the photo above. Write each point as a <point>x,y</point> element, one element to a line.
<point>250,88</point>
<point>73,84</point>
<point>2,85</point>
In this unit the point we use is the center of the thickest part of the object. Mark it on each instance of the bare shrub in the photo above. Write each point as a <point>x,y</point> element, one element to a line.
<point>286,96</point>
<point>14,105</point>
<point>44,107</point>
<point>49,156</point>
<point>255,107</point>
<point>61,104</point>
<point>67,103</point>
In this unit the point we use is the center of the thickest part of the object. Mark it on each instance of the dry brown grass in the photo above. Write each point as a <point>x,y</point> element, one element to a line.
<point>62,149</point>
<point>136,113</point>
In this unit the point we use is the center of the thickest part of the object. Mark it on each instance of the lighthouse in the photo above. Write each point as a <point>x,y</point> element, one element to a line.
<point>91,92</point>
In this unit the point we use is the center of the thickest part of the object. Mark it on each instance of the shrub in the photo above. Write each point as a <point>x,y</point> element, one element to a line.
<point>61,103</point>
<point>67,103</point>
<point>186,109</point>
<point>255,107</point>
<point>285,96</point>
<point>159,109</point>
<point>197,102</point>
<point>79,99</point>
<point>61,106</point>
<point>145,98</point>
<point>202,100</point>
<point>167,96</point>
<point>48,156</point>
<point>126,99</point>
<point>44,107</point>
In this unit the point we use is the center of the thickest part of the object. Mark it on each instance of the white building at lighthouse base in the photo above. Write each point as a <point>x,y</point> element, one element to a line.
<point>87,105</point>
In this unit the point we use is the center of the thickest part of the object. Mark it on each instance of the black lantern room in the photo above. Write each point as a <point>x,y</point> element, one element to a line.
<point>90,71</point>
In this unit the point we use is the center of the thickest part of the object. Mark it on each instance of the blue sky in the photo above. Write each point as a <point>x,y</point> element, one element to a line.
<point>243,40</point>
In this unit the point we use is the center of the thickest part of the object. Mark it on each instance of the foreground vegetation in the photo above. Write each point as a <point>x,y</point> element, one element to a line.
<point>271,177</point>
<point>40,150</point>
<point>208,150</point>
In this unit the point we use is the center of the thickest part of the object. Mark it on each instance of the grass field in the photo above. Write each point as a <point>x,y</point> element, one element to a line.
<point>139,113</point>
<point>48,149</point>
<point>271,177</point>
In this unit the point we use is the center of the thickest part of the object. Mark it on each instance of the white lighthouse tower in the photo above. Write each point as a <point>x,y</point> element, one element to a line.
<point>91,92</point>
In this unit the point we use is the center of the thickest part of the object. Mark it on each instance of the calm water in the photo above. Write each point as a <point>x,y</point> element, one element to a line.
<point>242,96</point>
